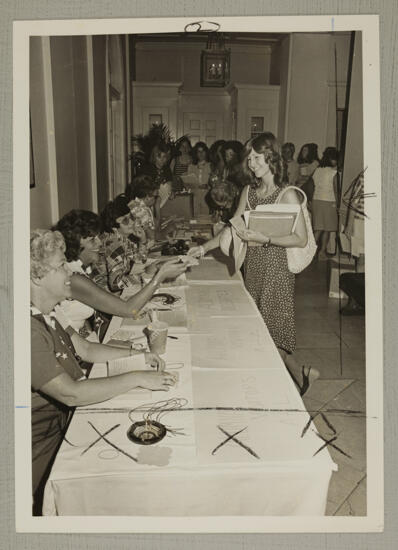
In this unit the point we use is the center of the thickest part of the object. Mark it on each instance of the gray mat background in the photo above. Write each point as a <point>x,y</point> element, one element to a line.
<point>75,9</point>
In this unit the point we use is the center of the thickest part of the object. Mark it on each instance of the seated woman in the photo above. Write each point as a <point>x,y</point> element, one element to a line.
<point>81,229</point>
<point>57,382</point>
<point>197,177</point>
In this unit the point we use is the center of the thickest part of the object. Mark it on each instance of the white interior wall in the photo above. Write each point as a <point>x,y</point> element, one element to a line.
<point>309,93</point>
<point>43,197</point>
<point>173,61</point>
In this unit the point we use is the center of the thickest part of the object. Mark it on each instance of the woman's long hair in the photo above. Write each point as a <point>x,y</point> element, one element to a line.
<point>199,145</point>
<point>311,156</point>
<point>329,154</point>
<point>264,143</point>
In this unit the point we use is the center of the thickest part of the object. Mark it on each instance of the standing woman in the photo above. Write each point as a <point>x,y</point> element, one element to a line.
<point>197,177</point>
<point>266,273</point>
<point>183,158</point>
<point>325,199</point>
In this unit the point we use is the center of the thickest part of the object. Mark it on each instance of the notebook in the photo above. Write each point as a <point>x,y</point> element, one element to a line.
<point>272,220</point>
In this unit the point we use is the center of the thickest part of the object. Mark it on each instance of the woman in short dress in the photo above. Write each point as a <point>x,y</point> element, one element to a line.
<point>266,273</point>
<point>324,209</point>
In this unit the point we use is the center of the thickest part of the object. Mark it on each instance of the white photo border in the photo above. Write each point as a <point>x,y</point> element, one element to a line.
<point>373,522</point>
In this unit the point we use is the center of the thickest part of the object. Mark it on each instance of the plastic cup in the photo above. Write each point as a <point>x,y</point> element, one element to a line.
<point>156,334</point>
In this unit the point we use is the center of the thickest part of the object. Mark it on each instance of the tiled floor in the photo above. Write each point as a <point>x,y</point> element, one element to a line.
<point>335,345</point>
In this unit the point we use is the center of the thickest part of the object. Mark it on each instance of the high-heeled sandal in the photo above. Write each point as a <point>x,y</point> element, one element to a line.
<point>308,378</point>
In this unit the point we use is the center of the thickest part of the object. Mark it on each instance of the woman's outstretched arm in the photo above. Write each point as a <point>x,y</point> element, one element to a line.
<point>84,290</point>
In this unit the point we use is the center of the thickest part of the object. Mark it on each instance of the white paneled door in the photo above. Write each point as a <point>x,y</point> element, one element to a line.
<point>207,127</point>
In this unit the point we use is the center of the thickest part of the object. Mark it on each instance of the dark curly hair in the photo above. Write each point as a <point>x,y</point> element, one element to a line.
<point>141,187</point>
<point>179,142</point>
<point>329,154</point>
<point>217,145</point>
<point>113,210</point>
<point>266,143</point>
<point>199,145</point>
<point>311,156</point>
<point>77,225</point>
<point>236,147</point>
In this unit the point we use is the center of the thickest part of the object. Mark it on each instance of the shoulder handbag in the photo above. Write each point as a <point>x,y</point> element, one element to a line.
<point>300,258</point>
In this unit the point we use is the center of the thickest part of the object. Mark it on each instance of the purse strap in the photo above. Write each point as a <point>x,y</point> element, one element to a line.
<point>303,204</point>
<point>247,198</point>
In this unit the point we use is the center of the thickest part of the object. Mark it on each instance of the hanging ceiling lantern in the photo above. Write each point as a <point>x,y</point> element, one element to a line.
<point>215,62</point>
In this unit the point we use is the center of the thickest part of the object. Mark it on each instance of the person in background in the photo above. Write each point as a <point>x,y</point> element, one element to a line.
<point>197,177</point>
<point>58,384</point>
<point>266,272</point>
<point>216,162</point>
<point>232,156</point>
<point>137,157</point>
<point>325,200</point>
<point>80,230</point>
<point>308,161</point>
<point>159,170</point>
<point>291,171</point>
<point>183,158</point>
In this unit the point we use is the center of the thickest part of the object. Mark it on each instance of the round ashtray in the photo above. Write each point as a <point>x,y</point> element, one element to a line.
<point>146,433</point>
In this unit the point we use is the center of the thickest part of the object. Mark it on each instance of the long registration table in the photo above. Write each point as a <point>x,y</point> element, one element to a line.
<point>235,421</point>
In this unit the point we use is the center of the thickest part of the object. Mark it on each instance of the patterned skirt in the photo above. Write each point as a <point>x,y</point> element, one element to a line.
<point>271,285</point>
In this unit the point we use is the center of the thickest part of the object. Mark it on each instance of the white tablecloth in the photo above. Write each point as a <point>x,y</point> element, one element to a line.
<point>231,379</point>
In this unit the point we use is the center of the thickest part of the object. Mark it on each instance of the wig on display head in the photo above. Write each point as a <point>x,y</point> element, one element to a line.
<point>113,210</point>
<point>44,243</point>
<point>77,225</point>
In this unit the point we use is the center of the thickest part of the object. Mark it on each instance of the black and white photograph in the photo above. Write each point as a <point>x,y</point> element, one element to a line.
<point>204,311</point>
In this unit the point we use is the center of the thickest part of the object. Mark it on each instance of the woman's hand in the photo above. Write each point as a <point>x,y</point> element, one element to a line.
<point>255,236</point>
<point>196,252</point>
<point>171,269</point>
<point>155,361</point>
<point>156,380</point>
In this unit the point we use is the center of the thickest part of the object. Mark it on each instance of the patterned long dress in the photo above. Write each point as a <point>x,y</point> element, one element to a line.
<point>271,284</point>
